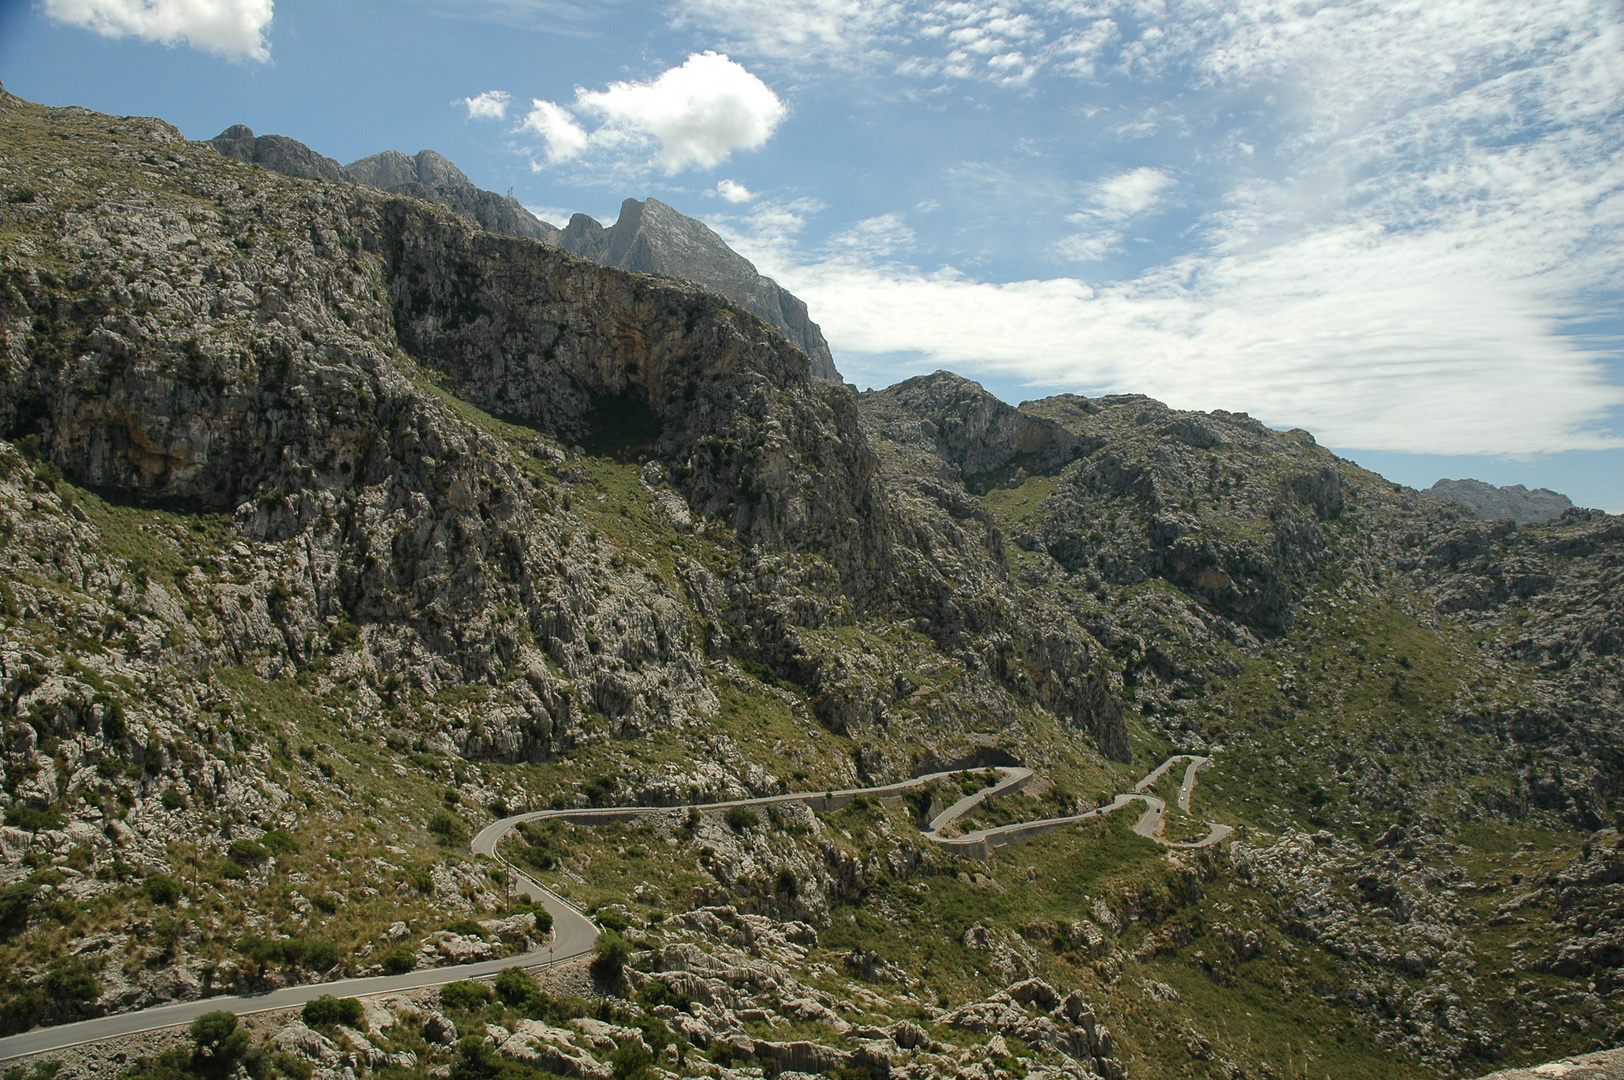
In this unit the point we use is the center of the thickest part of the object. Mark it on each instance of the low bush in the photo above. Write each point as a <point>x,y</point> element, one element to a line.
<point>330,1011</point>
<point>656,993</point>
<point>33,819</point>
<point>518,989</point>
<point>72,984</point>
<point>465,996</point>
<point>278,842</point>
<point>218,1042</point>
<point>314,956</point>
<point>16,901</point>
<point>247,852</point>
<point>740,818</point>
<point>609,963</point>
<point>399,961</point>
<point>161,889</point>
<point>448,828</point>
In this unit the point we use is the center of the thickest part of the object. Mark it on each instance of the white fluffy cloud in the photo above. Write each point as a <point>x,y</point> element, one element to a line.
<point>231,28</point>
<point>692,116</point>
<point>564,137</point>
<point>1131,193</point>
<point>491,105</point>
<point>734,192</point>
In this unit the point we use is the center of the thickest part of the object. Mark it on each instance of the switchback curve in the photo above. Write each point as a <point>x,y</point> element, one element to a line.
<point>575,934</point>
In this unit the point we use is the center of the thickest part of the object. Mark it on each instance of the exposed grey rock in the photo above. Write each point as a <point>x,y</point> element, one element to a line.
<point>650,237</point>
<point>277,153</point>
<point>1514,501</point>
<point>1602,1065</point>
<point>433,178</point>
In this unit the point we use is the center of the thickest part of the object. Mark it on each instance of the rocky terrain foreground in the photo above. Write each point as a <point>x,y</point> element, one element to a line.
<point>336,528</point>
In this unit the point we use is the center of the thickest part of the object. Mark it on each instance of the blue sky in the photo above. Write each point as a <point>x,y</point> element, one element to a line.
<point>1399,225</point>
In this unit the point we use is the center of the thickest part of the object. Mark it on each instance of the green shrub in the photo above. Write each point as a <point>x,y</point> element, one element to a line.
<point>465,996</point>
<point>246,852</point>
<point>318,956</point>
<point>218,1043</point>
<point>518,989</point>
<point>72,983</point>
<point>656,993</point>
<point>330,1011</point>
<point>632,1061</point>
<point>161,889</point>
<point>612,920</point>
<point>172,799</point>
<point>609,963</point>
<point>476,1061</point>
<point>32,819</point>
<point>740,818</point>
<point>313,956</point>
<point>399,961</point>
<point>278,842</point>
<point>448,827</point>
<point>15,901</point>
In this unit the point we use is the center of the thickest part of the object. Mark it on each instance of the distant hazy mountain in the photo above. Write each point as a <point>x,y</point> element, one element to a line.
<point>1493,503</point>
<point>653,238</point>
<point>649,238</point>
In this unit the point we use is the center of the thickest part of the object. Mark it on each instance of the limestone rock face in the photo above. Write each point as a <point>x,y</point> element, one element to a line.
<point>277,153</point>
<point>650,237</point>
<point>428,176</point>
<point>1516,502</point>
<point>527,331</point>
<point>433,178</point>
<point>985,441</point>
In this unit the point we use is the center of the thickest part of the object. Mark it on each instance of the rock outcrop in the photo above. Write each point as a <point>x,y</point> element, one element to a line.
<point>1516,502</point>
<point>433,178</point>
<point>650,237</point>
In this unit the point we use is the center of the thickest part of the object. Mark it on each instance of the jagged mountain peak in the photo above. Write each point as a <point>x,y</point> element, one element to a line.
<point>392,169</point>
<point>651,237</point>
<point>277,153</point>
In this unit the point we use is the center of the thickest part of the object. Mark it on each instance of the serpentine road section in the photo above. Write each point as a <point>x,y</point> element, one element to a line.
<point>574,934</point>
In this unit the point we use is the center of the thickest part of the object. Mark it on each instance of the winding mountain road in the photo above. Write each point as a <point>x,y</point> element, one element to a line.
<point>574,934</point>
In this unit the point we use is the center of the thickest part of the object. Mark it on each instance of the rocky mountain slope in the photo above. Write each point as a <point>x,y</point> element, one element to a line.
<point>428,176</point>
<point>648,238</point>
<point>1494,503</point>
<point>334,527</point>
